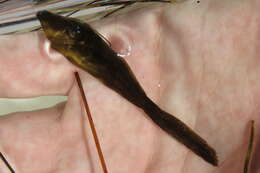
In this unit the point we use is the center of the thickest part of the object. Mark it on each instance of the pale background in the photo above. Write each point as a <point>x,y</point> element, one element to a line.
<point>17,105</point>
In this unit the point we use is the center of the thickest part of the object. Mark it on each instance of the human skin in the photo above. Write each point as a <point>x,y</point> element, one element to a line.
<point>198,61</point>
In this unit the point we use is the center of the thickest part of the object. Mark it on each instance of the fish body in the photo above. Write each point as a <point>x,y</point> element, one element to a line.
<point>85,48</point>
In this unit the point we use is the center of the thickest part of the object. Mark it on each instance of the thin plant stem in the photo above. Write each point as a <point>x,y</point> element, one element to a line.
<point>91,122</point>
<point>250,147</point>
<point>6,163</point>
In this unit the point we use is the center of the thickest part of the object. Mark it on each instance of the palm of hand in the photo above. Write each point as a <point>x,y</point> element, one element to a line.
<point>206,74</point>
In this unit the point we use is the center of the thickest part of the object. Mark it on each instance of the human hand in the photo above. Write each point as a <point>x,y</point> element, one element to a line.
<point>208,79</point>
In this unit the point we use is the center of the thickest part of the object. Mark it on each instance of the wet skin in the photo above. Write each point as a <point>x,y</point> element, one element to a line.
<point>205,58</point>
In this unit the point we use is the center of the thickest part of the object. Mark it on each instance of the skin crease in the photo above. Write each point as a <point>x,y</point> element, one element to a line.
<point>205,58</point>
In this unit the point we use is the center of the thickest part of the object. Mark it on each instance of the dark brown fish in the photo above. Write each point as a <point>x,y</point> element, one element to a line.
<point>85,48</point>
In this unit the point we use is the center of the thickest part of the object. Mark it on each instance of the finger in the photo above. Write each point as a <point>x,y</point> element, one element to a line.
<point>25,136</point>
<point>29,68</point>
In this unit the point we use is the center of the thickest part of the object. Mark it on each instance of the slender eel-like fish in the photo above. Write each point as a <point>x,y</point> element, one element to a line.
<point>85,48</point>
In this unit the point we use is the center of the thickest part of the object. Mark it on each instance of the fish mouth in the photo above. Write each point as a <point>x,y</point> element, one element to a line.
<point>46,21</point>
<point>46,18</point>
<point>52,26</point>
<point>44,15</point>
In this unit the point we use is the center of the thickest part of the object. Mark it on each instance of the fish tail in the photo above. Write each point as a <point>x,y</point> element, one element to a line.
<point>181,132</point>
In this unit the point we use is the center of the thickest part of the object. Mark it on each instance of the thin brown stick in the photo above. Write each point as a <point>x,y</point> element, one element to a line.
<point>92,126</point>
<point>6,163</point>
<point>250,147</point>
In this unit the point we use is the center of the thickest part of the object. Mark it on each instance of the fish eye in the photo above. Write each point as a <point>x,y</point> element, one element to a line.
<point>74,31</point>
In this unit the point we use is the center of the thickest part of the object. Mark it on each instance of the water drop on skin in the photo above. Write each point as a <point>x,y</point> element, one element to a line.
<point>47,46</point>
<point>125,52</point>
<point>121,45</point>
<point>51,53</point>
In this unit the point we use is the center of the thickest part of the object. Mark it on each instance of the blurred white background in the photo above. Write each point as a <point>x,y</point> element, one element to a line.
<point>17,105</point>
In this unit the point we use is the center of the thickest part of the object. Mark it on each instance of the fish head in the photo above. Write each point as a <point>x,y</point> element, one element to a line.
<point>74,39</point>
<point>62,31</point>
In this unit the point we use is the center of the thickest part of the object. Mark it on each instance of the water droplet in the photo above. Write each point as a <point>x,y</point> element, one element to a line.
<point>50,52</point>
<point>125,51</point>
<point>120,44</point>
